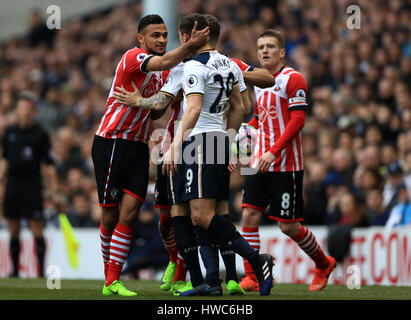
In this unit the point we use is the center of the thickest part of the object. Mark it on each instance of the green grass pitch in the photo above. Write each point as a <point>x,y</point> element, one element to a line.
<point>36,289</point>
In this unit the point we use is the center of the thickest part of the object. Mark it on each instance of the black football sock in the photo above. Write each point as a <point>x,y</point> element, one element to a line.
<point>209,255</point>
<point>225,233</point>
<point>15,253</point>
<point>228,256</point>
<point>187,246</point>
<point>41,252</point>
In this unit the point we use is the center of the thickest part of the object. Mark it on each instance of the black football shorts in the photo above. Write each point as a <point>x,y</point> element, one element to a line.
<point>23,199</point>
<point>203,172</point>
<point>120,166</point>
<point>283,191</point>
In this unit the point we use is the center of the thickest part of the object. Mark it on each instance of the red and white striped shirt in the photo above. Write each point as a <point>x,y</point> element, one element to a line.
<point>272,110</point>
<point>123,122</point>
<point>243,66</point>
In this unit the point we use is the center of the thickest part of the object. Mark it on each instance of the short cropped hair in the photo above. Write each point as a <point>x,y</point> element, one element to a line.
<point>275,34</point>
<point>186,23</point>
<point>214,27</point>
<point>149,19</point>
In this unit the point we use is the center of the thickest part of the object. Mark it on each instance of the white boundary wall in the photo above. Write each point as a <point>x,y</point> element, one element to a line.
<point>383,256</point>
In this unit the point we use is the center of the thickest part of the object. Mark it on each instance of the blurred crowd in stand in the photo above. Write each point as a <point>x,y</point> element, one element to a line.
<point>357,136</point>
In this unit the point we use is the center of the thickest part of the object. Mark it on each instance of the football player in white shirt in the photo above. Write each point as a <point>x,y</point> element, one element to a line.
<point>210,81</point>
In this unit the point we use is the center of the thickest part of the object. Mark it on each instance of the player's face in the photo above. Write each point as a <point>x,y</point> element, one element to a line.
<point>269,52</point>
<point>153,39</point>
<point>25,112</point>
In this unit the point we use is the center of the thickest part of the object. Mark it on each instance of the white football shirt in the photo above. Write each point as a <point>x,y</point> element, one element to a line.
<point>212,75</point>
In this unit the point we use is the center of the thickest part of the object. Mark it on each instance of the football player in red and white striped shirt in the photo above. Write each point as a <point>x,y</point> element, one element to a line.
<point>120,152</point>
<point>277,161</point>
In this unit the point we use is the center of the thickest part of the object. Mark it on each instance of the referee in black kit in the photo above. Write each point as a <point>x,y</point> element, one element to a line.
<point>25,146</point>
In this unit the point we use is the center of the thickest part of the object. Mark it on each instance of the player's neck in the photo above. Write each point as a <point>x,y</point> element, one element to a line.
<point>203,48</point>
<point>277,67</point>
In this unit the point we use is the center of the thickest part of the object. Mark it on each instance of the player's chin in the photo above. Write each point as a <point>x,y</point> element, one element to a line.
<point>266,63</point>
<point>160,51</point>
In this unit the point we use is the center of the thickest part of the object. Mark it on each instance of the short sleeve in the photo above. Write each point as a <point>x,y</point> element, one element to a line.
<point>136,61</point>
<point>173,82</point>
<point>46,149</point>
<point>240,78</point>
<point>297,92</point>
<point>242,65</point>
<point>3,142</point>
<point>193,79</point>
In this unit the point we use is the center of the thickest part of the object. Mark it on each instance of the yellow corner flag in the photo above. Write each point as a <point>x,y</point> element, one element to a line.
<point>71,240</point>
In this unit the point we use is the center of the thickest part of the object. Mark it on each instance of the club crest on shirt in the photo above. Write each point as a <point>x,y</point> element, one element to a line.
<point>27,153</point>
<point>277,86</point>
<point>114,192</point>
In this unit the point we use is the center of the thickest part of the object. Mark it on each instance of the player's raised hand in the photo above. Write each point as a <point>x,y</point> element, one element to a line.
<point>265,161</point>
<point>199,37</point>
<point>129,98</point>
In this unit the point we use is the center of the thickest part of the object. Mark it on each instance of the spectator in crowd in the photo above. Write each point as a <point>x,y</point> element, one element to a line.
<point>52,113</point>
<point>393,182</point>
<point>375,211</point>
<point>352,211</point>
<point>38,32</point>
<point>400,215</point>
<point>315,198</point>
<point>79,213</point>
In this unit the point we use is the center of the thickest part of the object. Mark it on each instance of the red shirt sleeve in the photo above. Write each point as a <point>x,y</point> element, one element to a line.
<point>293,127</point>
<point>135,60</point>
<point>297,92</point>
<point>243,66</point>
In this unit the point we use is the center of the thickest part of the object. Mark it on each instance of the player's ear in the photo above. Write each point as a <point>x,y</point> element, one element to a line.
<point>282,53</point>
<point>140,38</point>
<point>186,37</point>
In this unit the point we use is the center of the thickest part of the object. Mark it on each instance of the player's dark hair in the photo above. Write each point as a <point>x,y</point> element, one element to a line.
<point>214,28</point>
<point>275,34</point>
<point>186,23</point>
<point>149,19</point>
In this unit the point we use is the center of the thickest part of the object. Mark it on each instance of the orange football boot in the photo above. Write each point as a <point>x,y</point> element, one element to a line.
<point>249,284</point>
<point>321,276</point>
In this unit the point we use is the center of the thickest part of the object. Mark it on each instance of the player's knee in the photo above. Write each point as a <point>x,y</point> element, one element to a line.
<point>289,228</point>
<point>165,211</point>
<point>196,219</point>
<point>109,217</point>
<point>251,217</point>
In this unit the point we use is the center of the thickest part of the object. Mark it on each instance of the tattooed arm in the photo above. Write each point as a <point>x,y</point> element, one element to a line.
<point>159,101</point>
